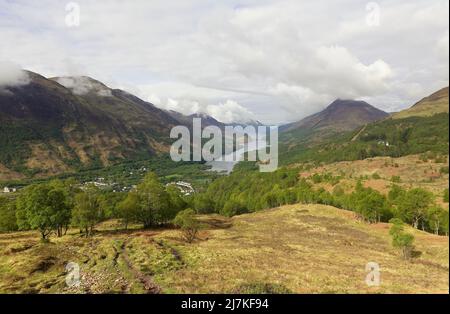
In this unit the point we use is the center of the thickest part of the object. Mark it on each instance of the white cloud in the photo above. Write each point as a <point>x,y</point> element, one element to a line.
<point>208,101</point>
<point>12,75</point>
<point>230,112</point>
<point>280,59</point>
<point>81,85</point>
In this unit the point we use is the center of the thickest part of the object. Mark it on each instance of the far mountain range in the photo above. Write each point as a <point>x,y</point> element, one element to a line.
<point>55,125</point>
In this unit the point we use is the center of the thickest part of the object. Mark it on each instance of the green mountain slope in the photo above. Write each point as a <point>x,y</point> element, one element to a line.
<point>47,128</point>
<point>402,134</point>
<point>340,116</point>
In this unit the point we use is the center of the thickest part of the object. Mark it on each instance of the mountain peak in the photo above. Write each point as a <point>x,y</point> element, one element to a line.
<point>347,103</point>
<point>340,115</point>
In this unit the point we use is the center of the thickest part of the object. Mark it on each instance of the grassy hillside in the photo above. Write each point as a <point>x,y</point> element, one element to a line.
<point>380,173</point>
<point>427,107</point>
<point>340,116</point>
<point>421,128</point>
<point>390,137</point>
<point>296,248</point>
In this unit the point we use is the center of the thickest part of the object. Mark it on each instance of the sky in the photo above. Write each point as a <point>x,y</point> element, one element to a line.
<point>275,61</point>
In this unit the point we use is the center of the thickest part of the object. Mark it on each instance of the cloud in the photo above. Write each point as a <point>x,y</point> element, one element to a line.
<point>227,112</point>
<point>12,75</point>
<point>81,85</point>
<point>230,112</point>
<point>280,59</point>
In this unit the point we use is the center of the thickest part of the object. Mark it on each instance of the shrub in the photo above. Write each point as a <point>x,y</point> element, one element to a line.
<point>376,176</point>
<point>396,179</point>
<point>401,239</point>
<point>188,224</point>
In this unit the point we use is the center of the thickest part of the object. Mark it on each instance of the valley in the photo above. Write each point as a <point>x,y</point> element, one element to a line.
<point>86,180</point>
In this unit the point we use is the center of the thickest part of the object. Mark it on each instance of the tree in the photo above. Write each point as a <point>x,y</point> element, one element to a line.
<point>369,204</point>
<point>203,204</point>
<point>436,218</point>
<point>395,193</point>
<point>154,202</point>
<point>87,211</point>
<point>43,207</point>
<point>401,239</point>
<point>127,209</point>
<point>176,200</point>
<point>233,208</point>
<point>413,206</point>
<point>188,224</point>
<point>8,220</point>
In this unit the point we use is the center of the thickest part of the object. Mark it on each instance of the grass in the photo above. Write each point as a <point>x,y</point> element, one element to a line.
<point>292,249</point>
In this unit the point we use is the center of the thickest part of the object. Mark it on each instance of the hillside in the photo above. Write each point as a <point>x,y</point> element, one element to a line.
<point>50,126</point>
<point>428,106</point>
<point>296,248</point>
<point>381,173</point>
<point>402,134</point>
<point>338,117</point>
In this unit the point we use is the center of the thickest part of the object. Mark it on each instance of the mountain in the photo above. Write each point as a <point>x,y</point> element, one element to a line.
<point>340,116</point>
<point>428,106</point>
<point>423,128</point>
<point>50,126</point>
<point>207,120</point>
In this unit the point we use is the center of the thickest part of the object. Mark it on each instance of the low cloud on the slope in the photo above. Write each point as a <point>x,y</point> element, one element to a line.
<point>81,85</point>
<point>12,75</point>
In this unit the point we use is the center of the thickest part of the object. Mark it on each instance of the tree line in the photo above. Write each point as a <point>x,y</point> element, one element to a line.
<point>247,191</point>
<point>54,207</point>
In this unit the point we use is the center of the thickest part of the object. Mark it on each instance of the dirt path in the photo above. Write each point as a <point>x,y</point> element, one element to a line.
<point>147,281</point>
<point>359,133</point>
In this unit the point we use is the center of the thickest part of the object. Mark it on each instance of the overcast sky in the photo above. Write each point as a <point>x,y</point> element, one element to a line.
<point>271,60</point>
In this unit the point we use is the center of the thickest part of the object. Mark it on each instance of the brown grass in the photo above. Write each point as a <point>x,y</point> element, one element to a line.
<point>296,248</point>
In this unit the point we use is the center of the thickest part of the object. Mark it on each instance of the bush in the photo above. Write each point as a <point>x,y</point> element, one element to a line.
<point>188,224</point>
<point>401,239</point>
<point>376,176</point>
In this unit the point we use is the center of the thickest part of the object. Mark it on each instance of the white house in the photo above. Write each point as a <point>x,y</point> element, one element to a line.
<point>9,190</point>
<point>185,187</point>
